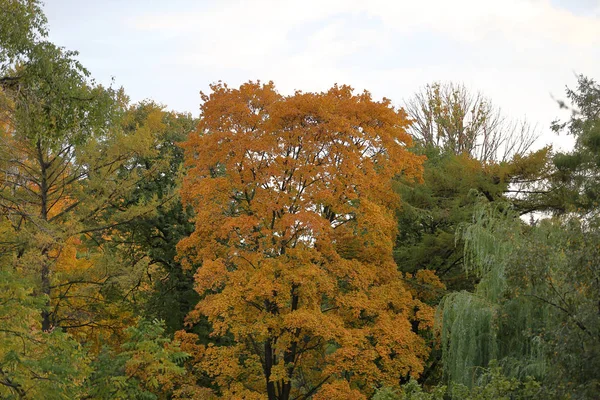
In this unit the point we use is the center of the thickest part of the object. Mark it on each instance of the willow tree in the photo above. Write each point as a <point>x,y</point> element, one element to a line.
<point>294,231</point>
<point>498,321</point>
<point>535,309</point>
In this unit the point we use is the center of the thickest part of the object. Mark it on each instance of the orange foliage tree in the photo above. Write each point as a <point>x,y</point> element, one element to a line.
<point>294,228</point>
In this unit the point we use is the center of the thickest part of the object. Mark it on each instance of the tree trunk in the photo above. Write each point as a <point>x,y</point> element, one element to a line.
<point>45,270</point>
<point>46,314</point>
<point>271,393</point>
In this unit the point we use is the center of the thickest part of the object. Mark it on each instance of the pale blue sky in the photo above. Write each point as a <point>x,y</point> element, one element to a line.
<point>517,52</point>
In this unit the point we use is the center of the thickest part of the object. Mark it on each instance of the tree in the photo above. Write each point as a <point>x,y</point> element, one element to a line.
<point>432,211</point>
<point>475,326</point>
<point>471,151</point>
<point>60,156</point>
<point>575,185</point>
<point>448,116</point>
<point>67,169</point>
<point>153,237</point>
<point>452,187</point>
<point>535,308</point>
<point>293,238</point>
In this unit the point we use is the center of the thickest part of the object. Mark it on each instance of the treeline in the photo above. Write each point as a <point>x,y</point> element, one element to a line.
<point>310,246</point>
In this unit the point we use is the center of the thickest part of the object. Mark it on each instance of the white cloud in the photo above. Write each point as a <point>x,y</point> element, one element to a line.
<point>237,23</point>
<point>518,52</point>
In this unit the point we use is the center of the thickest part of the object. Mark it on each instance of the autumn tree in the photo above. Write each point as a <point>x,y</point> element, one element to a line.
<point>68,167</point>
<point>449,116</point>
<point>294,229</point>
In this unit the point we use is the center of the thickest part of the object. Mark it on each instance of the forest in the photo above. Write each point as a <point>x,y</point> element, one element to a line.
<point>315,245</point>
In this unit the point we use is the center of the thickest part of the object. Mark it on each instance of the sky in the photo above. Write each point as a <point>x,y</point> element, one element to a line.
<point>519,53</point>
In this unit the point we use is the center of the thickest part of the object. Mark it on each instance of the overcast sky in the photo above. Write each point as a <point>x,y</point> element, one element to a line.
<point>519,53</point>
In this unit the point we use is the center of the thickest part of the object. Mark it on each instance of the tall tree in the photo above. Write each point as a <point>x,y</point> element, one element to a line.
<point>77,166</point>
<point>152,238</point>
<point>67,167</point>
<point>294,231</point>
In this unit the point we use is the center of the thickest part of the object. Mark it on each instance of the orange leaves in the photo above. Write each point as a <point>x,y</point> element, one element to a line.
<point>293,240</point>
<point>66,258</point>
<point>211,276</point>
<point>339,390</point>
<point>428,277</point>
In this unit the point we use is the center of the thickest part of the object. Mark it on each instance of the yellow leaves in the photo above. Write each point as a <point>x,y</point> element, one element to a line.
<point>312,322</point>
<point>59,205</point>
<point>230,366</point>
<point>426,316</point>
<point>425,285</point>
<point>211,276</point>
<point>67,259</point>
<point>533,165</point>
<point>338,390</point>
<point>428,277</point>
<point>191,390</point>
<point>294,234</point>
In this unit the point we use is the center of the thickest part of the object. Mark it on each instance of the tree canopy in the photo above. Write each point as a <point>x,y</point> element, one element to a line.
<point>294,232</point>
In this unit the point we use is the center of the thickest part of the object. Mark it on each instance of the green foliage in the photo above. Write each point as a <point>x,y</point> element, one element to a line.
<point>22,23</point>
<point>557,269</point>
<point>155,236</point>
<point>494,385</point>
<point>575,184</point>
<point>491,385</point>
<point>535,308</point>
<point>468,335</point>
<point>410,391</point>
<point>452,187</point>
<point>146,366</point>
<point>481,326</point>
<point>34,364</point>
<point>432,211</point>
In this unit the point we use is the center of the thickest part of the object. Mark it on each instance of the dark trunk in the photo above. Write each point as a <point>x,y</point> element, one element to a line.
<point>271,393</point>
<point>45,270</point>
<point>46,314</point>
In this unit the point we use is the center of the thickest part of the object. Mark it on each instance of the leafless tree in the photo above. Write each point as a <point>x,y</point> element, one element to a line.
<point>448,116</point>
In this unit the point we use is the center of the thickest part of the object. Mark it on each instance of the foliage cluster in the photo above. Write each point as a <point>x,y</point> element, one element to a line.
<point>309,246</point>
